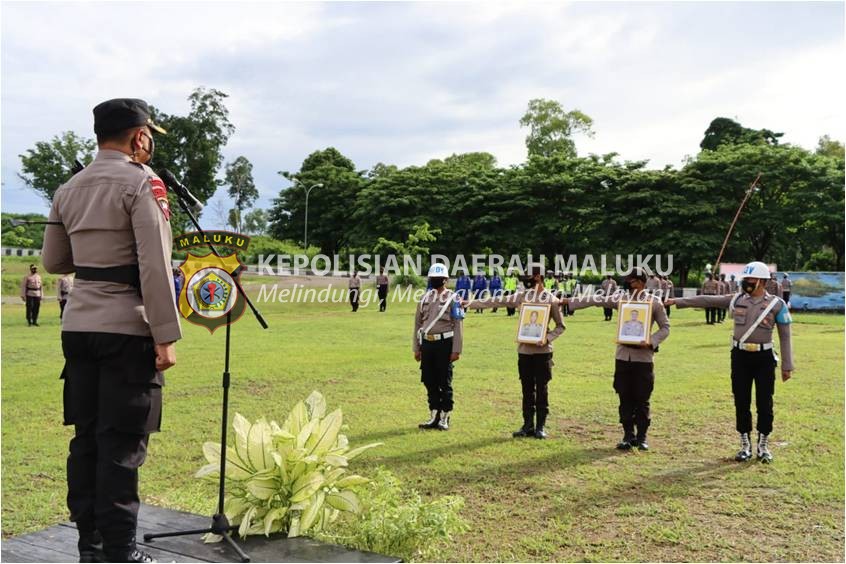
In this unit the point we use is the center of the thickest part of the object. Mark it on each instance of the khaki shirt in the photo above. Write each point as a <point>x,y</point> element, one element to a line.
<point>608,286</point>
<point>733,286</point>
<point>710,288</point>
<point>659,317</point>
<point>746,310</point>
<point>110,217</point>
<point>428,308</point>
<point>773,287</point>
<point>529,297</point>
<point>355,282</point>
<point>31,286</point>
<point>64,287</point>
<point>652,283</point>
<point>785,285</point>
<point>382,280</point>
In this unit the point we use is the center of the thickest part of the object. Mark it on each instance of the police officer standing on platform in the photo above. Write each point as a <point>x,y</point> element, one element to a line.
<point>32,290</point>
<point>438,336</point>
<point>753,359</point>
<point>634,375</point>
<point>534,362</point>
<point>118,331</point>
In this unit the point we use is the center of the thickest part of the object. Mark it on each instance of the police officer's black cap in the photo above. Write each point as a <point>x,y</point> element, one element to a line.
<point>119,114</point>
<point>637,273</point>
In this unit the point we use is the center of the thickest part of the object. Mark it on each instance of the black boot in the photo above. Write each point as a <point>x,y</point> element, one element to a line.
<point>443,421</point>
<point>432,423</point>
<point>539,431</point>
<point>129,553</point>
<point>628,439</point>
<point>89,543</point>
<point>528,428</point>
<point>641,442</point>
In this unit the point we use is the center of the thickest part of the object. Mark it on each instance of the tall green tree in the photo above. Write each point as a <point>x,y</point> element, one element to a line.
<point>551,128</point>
<point>255,222</point>
<point>192,148</point>
<point>725,131</point>
<point>241,187</point>
<point>49,164</point>
<point>330,206</point>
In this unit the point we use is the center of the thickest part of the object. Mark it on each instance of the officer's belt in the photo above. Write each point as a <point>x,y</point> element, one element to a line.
<point>126,274</point>
<point>751,347</point>
<point>439,336</point>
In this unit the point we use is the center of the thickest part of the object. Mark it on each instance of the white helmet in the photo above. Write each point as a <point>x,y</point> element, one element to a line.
<point>438,270</point>
<point>755,269</point>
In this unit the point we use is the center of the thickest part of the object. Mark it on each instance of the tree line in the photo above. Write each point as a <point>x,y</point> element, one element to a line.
<point>556,202</point>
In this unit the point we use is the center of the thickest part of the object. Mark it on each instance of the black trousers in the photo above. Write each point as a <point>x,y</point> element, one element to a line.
<point>786,297</point>
<point>510,310</point>
<point>354,292</point>
<point>383,297</point>
<point>710,315</point>
<point>721,314</point>
<point>113,398</point>
<point>33,305</point>
<point>535,373</point>
<point>746,368</point>
<point>436,373</point>
<point>609,312</point>
<point>633,382</point>
<point>667,309</point>
<point>62,304</point>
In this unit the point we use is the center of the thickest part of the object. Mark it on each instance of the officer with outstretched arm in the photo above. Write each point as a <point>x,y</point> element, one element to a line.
<point>753,359</point>
<point>118,331</point>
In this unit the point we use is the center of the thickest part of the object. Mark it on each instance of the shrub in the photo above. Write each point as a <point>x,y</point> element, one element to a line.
<point>291,478</point>
<point>396,522</point>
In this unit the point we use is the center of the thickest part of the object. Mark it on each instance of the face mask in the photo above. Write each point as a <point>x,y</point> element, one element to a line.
<point>152,148</point>
<point>436,282</point>
<point>748,286</point>
<point>529,282</point>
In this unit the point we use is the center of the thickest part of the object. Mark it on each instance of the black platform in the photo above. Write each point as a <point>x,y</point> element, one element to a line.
<point>58,544</point>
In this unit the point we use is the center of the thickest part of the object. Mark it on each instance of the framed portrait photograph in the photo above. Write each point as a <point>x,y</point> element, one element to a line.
<point>634,320</point>
<point>534,322</point>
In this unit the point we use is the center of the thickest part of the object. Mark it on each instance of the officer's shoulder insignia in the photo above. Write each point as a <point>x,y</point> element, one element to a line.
<point>160,194</point>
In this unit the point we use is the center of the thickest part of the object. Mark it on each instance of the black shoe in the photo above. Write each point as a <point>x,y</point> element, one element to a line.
<point>628,442</point>
<point>128,555</point>
<point>35,324</point>
<point>89,543</point>
<point>432,423</point>
<point>540,433</point>
<point>641,443</point>
<point>524,431</point>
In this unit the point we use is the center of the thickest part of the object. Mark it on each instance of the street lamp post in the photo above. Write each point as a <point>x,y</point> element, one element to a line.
<point>305,229</point>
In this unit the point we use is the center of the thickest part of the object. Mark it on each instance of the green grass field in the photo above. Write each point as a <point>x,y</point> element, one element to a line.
<point>573,497</point>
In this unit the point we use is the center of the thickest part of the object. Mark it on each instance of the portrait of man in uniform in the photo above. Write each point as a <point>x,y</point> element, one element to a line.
<point>534,320</point>
<point>634,318</point>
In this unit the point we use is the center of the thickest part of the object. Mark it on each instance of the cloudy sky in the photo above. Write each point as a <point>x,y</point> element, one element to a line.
<point>402,83</point>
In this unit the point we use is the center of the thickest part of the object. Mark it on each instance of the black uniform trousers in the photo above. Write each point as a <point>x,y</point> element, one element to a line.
<point>509,310</point>
<point>609,312</point>
<point>383,297</point>
<point>633,382</point>
<point>354,292</point>
<point>786,297</point>
<point>436,373</point>
<point>710,315</point>
<point>62,304</point>
<point>33,305</point>
<point>535,373</point>
<point>746,368</point>
<point>113,398</point>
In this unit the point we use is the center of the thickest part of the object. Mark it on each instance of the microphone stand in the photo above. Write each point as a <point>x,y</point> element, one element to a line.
<point>220,524</point>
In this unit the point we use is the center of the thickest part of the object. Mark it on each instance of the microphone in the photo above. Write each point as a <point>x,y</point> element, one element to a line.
<point>180,190</point>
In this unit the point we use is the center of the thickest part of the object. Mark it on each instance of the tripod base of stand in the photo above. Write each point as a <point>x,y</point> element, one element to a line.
<point>220,526</point>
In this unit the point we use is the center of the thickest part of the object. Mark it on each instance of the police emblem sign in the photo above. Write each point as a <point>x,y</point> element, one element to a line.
<point>209,295</point>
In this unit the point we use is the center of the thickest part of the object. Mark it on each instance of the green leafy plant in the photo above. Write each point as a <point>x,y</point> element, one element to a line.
<point>397,522</point>
<point>292,478</point>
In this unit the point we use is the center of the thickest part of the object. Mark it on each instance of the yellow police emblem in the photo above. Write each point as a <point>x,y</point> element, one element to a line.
<point>209,296</point>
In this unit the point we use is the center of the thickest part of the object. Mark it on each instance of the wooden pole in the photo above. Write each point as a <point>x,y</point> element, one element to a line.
<point>734,222</point>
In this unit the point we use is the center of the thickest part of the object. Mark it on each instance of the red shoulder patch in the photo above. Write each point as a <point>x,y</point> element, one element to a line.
<point>160,194</point>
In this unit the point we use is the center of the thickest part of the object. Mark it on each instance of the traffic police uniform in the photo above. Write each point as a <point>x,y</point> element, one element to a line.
<point>634,376</point>
<point>510,289</point>
<point>115,234</point>
<point>438,333</point>
<point>753,359</point>
<point>534,363</point>
<point>32,290</point>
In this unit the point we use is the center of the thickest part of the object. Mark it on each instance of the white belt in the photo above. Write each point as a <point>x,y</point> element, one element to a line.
<point>438,336</point>
<point>751,347</point>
